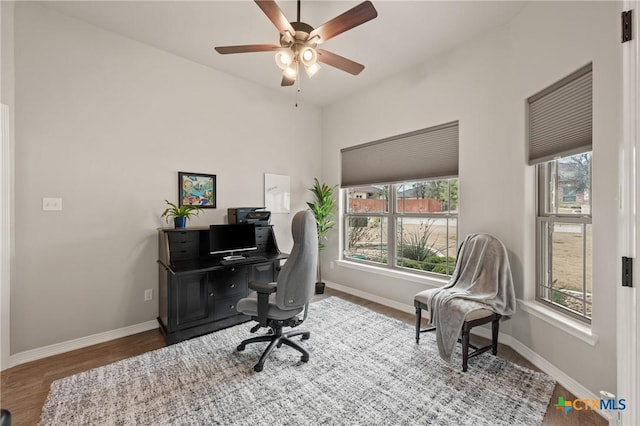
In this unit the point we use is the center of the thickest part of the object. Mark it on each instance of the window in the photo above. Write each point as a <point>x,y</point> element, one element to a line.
<point>410,221</point>
<point>564,234</point>
<point>560,133</point>
<point>411,225</point>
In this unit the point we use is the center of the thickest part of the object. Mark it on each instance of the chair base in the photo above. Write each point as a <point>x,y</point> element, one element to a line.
<point>276,340</point>
<point>465,334</point>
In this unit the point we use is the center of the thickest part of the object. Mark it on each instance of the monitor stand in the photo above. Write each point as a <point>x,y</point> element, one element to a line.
<point>233,257</point>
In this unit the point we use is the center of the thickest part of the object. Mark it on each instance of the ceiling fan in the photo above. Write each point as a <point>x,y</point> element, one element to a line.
<point>299,41</point>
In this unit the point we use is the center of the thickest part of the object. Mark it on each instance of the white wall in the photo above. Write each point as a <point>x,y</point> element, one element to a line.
<point>484,85</point>
<point>6,175</point>
<point>106,123</point>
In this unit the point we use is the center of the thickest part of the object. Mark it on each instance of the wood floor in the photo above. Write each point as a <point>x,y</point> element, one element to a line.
<point>24,388</point>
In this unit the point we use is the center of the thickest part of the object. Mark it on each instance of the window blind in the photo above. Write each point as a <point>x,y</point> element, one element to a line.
<point>422,154</point>
<point>560,118</point>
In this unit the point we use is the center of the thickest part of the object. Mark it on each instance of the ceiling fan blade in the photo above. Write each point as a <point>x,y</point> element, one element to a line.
<point>351,18</point>
<point>339,62</point>
<point>286,81</point>
<point>247,48</point>
<point>275,15</point>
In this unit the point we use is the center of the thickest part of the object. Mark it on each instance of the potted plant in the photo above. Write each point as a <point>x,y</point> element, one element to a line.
<point>180,214</point>
<point>323,208</point>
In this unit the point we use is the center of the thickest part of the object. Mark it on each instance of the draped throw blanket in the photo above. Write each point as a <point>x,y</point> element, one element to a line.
<point>481,280</point>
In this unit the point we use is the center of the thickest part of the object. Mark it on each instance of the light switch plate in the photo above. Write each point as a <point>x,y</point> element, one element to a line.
<point>51,204</point>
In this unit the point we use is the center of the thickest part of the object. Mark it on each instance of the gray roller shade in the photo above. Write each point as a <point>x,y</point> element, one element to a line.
<point>561,117</point>
<point>422,154</point>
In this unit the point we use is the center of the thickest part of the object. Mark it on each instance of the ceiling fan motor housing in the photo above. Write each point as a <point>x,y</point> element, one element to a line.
<point>300,38</point>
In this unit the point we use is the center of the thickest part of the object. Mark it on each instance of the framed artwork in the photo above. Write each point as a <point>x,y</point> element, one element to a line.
<point>197,189</point>
<point>277,193</point>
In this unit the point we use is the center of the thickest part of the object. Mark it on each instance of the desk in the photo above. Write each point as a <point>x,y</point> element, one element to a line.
<point>197,294</point>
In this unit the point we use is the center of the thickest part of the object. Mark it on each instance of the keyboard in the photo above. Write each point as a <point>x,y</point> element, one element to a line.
<point>247,259</point>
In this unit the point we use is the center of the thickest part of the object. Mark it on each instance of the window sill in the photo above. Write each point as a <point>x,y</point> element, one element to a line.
<point>394,273</point>
<point>569,325</point>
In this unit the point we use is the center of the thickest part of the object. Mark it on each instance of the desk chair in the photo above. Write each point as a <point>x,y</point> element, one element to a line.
<point>5,417</point>
<point>480,291</point>
<point>277,305</point>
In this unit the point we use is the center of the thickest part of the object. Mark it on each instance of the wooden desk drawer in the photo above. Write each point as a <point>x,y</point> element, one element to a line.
<point>183,245</point>
<point>262,233</point>
<point>231,288</point>
<point>178,238</point>
<point>262,237</point>
<point>230,282</point>
<point>225,308</point>
<point>184,254</point>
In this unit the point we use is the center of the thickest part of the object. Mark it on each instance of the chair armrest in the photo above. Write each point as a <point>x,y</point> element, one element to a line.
<point>267,288</point>
<point>263,290</point>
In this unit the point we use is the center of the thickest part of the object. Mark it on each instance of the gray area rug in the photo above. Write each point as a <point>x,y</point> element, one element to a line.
<point>365,369</point>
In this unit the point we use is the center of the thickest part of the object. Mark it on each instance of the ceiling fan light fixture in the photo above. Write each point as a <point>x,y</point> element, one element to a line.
<point>284,58</point>
<point>291,72</point>
<point>308,56</point>
<point>312,69</point>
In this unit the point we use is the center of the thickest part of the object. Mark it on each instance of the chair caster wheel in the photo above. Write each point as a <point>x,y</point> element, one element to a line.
<point>305,337</point>
<point>304,358</point>
<point>240,348</point>
<point>257,368</point>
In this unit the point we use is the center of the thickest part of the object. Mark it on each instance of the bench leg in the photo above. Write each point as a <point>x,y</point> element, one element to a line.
<point>465,346</point>
<point>418,320</point>
<point>495,327</point>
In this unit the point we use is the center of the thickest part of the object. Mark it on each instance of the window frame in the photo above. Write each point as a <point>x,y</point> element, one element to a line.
<point>545,220</point>
<point>392,215</point>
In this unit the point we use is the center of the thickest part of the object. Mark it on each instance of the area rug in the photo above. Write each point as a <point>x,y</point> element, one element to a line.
<point>365,369</point>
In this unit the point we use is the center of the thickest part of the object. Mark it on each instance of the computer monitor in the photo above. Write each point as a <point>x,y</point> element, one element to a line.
<point>228,239</point>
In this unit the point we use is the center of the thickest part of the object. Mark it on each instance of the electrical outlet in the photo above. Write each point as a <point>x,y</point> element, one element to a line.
<point>52,204</point>
<point>148,294</point>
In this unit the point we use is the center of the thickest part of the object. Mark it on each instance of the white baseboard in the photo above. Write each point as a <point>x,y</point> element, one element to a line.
<point>82,342</point>
<point>558,375</point>
<point>372,297</point>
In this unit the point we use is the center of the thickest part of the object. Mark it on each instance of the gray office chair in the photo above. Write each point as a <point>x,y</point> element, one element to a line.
<point>277,305</point>
<point>5,417</point>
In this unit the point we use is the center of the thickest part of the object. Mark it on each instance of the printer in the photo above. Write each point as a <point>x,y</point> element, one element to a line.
<point>249,215</point>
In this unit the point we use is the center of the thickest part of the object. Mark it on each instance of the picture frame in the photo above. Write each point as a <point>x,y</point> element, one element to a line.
<point>197,189</point>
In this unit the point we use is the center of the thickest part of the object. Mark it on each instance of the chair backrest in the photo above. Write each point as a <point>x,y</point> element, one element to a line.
<point>296,281</point>
<point>483,271</point>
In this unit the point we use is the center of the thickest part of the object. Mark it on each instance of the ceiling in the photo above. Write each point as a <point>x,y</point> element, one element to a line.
<point>404,34</point>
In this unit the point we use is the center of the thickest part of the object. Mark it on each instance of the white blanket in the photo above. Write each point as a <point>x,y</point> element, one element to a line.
<point>481,279</point>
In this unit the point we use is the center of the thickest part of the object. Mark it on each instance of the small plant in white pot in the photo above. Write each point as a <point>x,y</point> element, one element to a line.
<point>180,214</point>
<point>323,209</point>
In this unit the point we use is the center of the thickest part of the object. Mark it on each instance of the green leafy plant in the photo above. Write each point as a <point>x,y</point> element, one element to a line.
<point>174,211</point>
<point>417,245</point>
<point>323,209</point>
